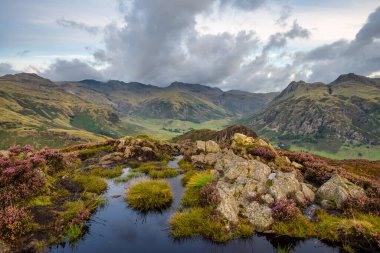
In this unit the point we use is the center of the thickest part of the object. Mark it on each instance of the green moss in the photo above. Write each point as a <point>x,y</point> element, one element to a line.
<point>149,195</point>
<point>85,153</point>
<point>91,183</point>
<point>197,222</point>
<point>108,173</point>
<point>40,201</point>
<point>71,209</point>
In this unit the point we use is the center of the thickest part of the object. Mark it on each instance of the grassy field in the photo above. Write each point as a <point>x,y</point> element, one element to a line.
<point>345,152</point>
<point>169,128</point>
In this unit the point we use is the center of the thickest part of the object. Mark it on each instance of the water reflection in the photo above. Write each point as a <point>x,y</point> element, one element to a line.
<point>118,228</point>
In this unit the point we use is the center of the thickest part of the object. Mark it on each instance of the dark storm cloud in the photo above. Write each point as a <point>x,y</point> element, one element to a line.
<point>279,40</point>
<point>75,70</point>
<point>159,44</point>
<point>5,69</point>
<point>361,55</point>
<point>78,25</point>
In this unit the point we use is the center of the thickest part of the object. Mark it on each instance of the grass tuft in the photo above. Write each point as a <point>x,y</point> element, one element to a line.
<point>198,222</point>
<point>108,173</point>
<point>149,195</point>
<point>91,183</point>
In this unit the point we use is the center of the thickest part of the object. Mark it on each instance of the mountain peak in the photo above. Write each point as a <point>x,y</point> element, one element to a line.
<point>352,77</point>
<point>193,87</point>
<point>28,78</point>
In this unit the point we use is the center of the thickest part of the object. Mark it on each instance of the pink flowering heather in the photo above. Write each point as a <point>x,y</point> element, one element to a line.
<point>264,152</point>
<point>13,222</point>
<point>285,209</point>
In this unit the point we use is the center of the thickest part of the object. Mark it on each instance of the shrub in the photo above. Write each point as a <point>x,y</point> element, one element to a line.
<point>301,157</point>
<point>21,176</point>
<point>13,222</point>
<point>149,195</point>
<point>57,161</point>
<point>209,195</point>
<point>363,204</point>
<point>285,209</point>
<point>262,151</point>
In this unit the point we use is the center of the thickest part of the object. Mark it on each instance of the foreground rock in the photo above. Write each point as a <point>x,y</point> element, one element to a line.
<point>336,191</point>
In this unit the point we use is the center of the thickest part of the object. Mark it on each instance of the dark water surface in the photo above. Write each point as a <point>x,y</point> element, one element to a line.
<point>118,228</point>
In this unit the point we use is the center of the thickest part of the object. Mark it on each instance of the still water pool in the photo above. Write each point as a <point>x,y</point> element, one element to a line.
<point>118,228</point>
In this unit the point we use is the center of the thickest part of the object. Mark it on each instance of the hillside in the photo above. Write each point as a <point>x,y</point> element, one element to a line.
<point>35,110</point>
<point>188,102</point>
<point>336,118</point>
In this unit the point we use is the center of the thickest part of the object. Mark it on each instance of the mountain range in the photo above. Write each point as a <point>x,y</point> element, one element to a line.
<point>338,119</point>
<point>341,116</point>
<point>37,110</point>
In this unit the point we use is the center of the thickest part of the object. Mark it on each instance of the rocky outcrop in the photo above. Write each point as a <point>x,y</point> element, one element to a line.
<point>336,191</point>
<point>142,149</point>
<point>260,215</point>
<point>207,146</point>
<point>239,181</point>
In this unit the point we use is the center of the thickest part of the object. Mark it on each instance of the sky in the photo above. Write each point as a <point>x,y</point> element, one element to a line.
<point>252,45</point>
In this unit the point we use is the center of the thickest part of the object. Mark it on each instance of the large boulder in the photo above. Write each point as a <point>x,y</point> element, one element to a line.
<point>239,181</point>
<point>259,215</point>
<point>242,140</point>
<point>228,206</point>
<point>212,147</point>
<point>337,190</point>
<point>200,146</point>
<point>283,185</point>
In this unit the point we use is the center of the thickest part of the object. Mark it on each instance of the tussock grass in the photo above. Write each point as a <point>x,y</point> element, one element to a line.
<point>149,195</point>
<point>91,183</point>
<point>356,230</point>
<point>163,173</point>
<point>191,196</point>
<point>75,232</point>
<point>127,178</point>
<point>198,222</point>
<point>186,177</point>
<point>108,173</point>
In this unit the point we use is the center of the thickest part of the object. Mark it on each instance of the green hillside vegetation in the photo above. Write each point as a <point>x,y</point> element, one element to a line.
<point>339,120</point>
<point>35,110</point>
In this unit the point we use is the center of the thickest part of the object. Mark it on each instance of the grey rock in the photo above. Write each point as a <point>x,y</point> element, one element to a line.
<point>259,215</point>
<point>336,190</point>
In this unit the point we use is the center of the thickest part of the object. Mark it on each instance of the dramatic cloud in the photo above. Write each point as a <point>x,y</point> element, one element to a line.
<point>6,68</point>
<point>254,45</point>
<point>361,55</point>
<point>74,70</point>
<point>78,25</point>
